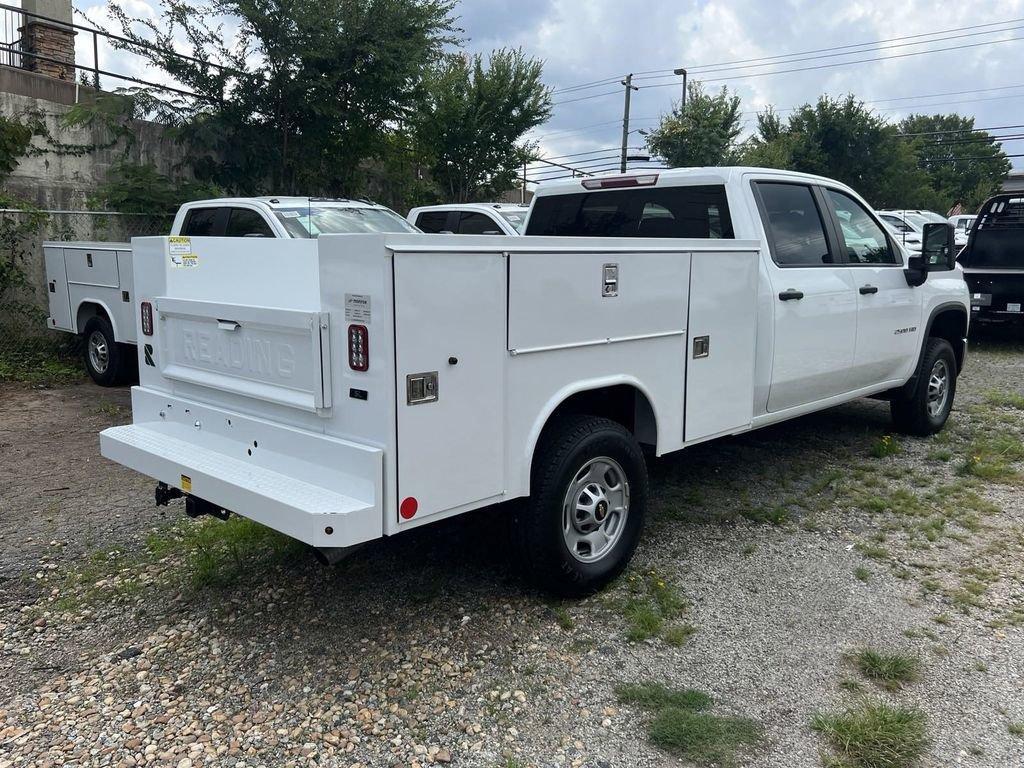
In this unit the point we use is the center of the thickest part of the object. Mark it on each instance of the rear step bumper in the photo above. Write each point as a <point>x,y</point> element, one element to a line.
<point>318,489</point>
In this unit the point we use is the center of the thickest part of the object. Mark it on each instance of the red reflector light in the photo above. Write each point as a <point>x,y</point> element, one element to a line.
<point>147,318</point>
<point>358,348</point>
<point>617,182</point>
<point>408,508</point>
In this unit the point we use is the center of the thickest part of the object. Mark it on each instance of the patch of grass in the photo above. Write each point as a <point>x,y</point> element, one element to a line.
<point>940,454</point>
<point>992,458</point>
<point>873,551</point>
<point>874,734</point>
<point>891,670</point>
<point>775,515</point>
<point>683,727</point>
<point>679,634</point>
<point>862,574</point>
<point>654,696</point>
<point>41,369</point>
<point>701,737</point>
<point>1001,399</point>
<point>943,619</point>
<point>652,601</point>
<point>218,553</point>
<point>643,620</point>
<point>563,618</point>
<point>1016,729</point>
<point>885,446</point>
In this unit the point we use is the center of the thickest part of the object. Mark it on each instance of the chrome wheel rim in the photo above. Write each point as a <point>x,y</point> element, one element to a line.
<point>595,509</point>
<point>938,388</point>
<point>99,353</point>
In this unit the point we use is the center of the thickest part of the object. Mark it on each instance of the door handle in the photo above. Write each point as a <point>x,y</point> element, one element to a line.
<point>790,295</point>
<point>866,289</point>
<point>228,325</point>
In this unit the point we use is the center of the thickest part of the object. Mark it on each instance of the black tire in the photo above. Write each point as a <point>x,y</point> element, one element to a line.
<point>910,410</point>
<point>107,362</point>
<point>568,446</point>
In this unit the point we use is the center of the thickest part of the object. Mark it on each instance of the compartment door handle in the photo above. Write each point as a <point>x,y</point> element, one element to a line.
<point>228,325</point>
<point>791,295</point>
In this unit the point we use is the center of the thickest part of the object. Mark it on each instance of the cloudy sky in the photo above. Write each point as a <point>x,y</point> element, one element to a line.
<point>899,57</point>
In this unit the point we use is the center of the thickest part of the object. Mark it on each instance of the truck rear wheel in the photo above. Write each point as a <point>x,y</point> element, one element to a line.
<point>924,411</point>
<point>105,359</point>
<point>578,529</point>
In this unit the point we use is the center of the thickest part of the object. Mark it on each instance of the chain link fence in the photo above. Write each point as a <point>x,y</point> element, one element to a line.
<point>28,350</point>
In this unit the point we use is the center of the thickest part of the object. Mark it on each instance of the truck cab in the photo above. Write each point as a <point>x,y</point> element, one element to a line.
<point>471,218</point>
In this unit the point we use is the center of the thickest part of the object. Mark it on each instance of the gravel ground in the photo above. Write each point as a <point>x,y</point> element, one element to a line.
<point>787,548</point>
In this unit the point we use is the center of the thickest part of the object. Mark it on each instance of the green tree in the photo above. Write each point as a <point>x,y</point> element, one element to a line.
<point>962,165</point>
<point>309,89</point>
<point>842,139</point>
<point>704,132</point>
<point>473,118</point>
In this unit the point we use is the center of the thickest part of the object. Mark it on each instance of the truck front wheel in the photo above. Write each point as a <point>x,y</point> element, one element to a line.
<point>924,410</point>
<point>578,529</point>
<point>105,360</point>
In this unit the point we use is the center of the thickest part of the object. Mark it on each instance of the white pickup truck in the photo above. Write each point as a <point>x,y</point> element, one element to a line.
<point>90,284</point>
<point>383,382</point>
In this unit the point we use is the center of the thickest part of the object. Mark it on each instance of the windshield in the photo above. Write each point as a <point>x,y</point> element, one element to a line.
<point>916,219</point>
<point>516,218</point>
<point>315,220</point>
<point>900,226</point>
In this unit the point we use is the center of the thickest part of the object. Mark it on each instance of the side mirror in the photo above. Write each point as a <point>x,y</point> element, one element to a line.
<point>938,247</point>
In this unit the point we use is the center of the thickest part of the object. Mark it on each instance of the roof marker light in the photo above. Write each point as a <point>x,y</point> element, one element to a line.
<point>617,182</point>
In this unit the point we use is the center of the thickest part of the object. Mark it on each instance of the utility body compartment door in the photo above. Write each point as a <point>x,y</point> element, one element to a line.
<point>721,334</point>
<point>450,311</point>
<point>57,288</point>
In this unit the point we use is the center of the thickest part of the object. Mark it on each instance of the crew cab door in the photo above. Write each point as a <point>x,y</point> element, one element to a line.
<point>888,310</point>
<point>813,294</point>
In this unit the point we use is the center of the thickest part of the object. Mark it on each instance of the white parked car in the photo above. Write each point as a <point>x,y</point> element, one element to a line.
<point>907,229</point>
<point>962,224</point>
<point>357,386</point>
<point>90,284</point>
<point>470,218</point>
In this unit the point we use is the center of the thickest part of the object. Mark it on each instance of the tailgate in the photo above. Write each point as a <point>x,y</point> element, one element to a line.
<point>276,355</point>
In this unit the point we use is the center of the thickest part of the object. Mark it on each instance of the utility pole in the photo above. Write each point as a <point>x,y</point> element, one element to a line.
<point>628,82</point>
<point>682,71</point>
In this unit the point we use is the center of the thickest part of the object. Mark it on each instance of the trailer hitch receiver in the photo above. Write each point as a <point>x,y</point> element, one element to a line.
<point>196,507</point>
<point>164,493</point>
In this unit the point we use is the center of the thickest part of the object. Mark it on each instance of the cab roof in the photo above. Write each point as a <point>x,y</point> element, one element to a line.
<point>670,177</point>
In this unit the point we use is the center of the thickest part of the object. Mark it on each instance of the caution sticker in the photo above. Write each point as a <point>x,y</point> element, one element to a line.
<point>180,250</point>
<point>186,484</point>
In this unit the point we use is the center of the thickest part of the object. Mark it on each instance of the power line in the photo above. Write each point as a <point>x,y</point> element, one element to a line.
<point>848,53</point>
<point>959,159</point>
<point>694,68</point>
<point>963,130</point>
<point>805,69</point>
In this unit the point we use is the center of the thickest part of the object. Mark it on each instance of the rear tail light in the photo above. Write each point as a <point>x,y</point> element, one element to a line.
<point>147,318</point>
<point>617,182</point>
<point>358,348</point>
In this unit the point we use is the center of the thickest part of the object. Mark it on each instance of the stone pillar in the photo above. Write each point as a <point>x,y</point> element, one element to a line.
<point>49,37</point>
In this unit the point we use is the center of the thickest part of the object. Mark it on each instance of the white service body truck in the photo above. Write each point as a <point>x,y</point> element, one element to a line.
<point>358,386</point>
<point>90,284</point>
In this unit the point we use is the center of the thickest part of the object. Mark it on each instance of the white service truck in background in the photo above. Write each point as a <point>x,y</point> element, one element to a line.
<point>90,284</point>
<point>358,386</point>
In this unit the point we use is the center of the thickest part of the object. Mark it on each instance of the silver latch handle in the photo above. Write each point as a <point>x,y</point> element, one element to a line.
<point>228,325</point>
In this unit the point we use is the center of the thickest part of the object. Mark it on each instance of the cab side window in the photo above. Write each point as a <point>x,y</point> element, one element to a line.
<point>245,222</point>
<point>794,225</point>
<point>200,222</point>
<point>432,221</point>
<point>471,223</point>
<point>863,237</point>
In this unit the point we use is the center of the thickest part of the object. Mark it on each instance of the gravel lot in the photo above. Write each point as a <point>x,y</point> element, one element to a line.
<point>130,638</point>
